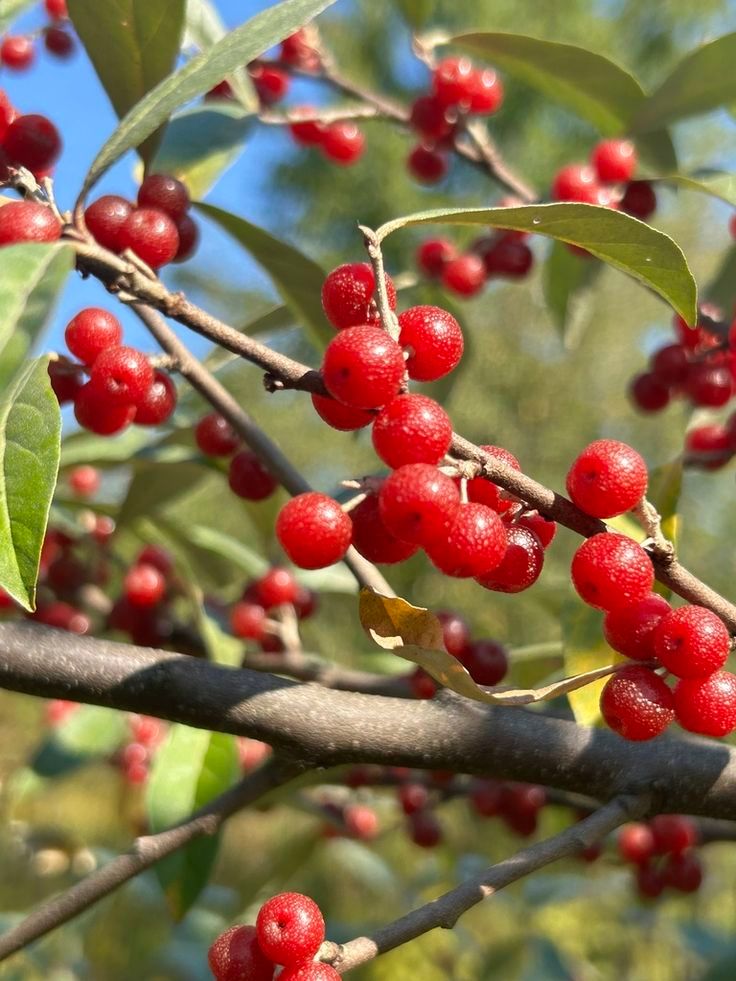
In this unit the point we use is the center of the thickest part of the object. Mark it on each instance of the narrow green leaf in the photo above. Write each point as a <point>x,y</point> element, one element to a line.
<point>191,767</point>
<point>30,440</point>
<point>101,451</point>
<point>722,288</point>
<point>714,182</point>
<point>10,10</point>
<point>133,45</point>
<point>565,277</point>
<point>200,74</point>
<point>640,251</point>
<point>156,485</point>
<point>704,80</point>
<point>204,28</point>
<point>297,278</point>
<point>31,278</point>
<point>201,144</point>
<point>248,561</point>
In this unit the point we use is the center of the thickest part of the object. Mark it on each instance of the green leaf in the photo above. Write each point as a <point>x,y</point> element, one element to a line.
<point>191,767</point>
<point>133,45</point>
<point>717,183</point>
<point>640,251</point>
<point>585,650</point>
<point>248,561</point>
<point>416,12</point>
<point>204,28</point>
<point>30,440</point>
<point>200,74</point>
<point>157,485</point>
<point>704,80</point>
<point>88,732</point>
<point>201,144</point>
<point>297,278</point>
<point>722,288</point>
<point>10,10</point>
<point>31,278</point>
<point>565,277</point>
<point>101,451</point>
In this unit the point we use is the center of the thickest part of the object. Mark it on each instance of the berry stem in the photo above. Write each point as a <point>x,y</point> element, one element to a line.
<point>389,320</point>
<point>651,521</point>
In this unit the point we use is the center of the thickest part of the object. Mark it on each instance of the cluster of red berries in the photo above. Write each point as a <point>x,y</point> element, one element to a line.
<point>18,52</point>
<point>459,90</point>
<point>663,853</point>
<point>498,255</point>
<point>607,180</point>
<point>276,588</point>
<point>142,609</point>
<point>289,931</point>
<point>158,229</point>
<point>26,140</point>
<point>122,387</point>
<point>247,476</point>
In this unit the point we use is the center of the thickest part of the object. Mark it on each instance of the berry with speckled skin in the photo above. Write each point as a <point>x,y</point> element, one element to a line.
<point>433,339</point>
<point>707,705</point>
<point>411,429</point>
<point>249,479</point>
<point>236,955</point>
<point>363,367</point>
<point>152,235</point>
<point>483,491</point>
<point>159,402</point>
<point>691,642</point>
<point>27,221</point>
<point>33,141</point>
<point>94,411</point>
<point>418,504</point>
<point>312,971</point>
<point>92,331</point>
<point>344,418</point>
<point>290,928</point>
<point>543,528</point>
<point>630,629</point>
<point>105,218</point>
<point>122,375</point>
<point>372,538</point>
<point>186,229</point>
<point>476,543</point>
<point>313,530</point>
<point>347,295</point>
<point>637,704</point>
<point>610,570</point>
<point>215,436</point>
<point>166,193</point>
<point>607,478</point>
<point>521,564</point>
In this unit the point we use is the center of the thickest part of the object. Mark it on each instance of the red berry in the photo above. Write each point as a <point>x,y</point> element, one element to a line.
<point>707,705</point>
<point>92,331</point>
<point>543,528</point>
<point>637,704</point>
<point>708,385</point>
<point>433,340</point>
<point>94,411</point>
<point>307,133</point>
<point>249,478</point>
<point>372,538</point>
<point>58,42</point>
<point>63,616</point>
<point>363,367</point>
<point>300,49</point>
<point>236,954</point>
<point>215,436</point>
<point>683,872</point>
<point>27,221</point>
<point>422,685</point>
<point>313,530</point>
<point>607,478</point>
<point>412,797</point>
<point>290,928</point>
<point>312,971</point>
<point>16,52</point>
<point>426,164</point>
<point>709,447</point>
<point>636,843</point>
<point>56,9</point>
<point>166,193</point>
<point>483,491</point>
<point>648,393</point>
<point>486,661</point>
<point>649,881</point>
<point>454,82</point>
<point>121,375</point>
<point>105,218</point>
<point>521,564</point>
<point>342,142</point>
<point>433,255</point>
<point>66,380</point>
<point>276,587</point>
<point>341,417</point>
<point>487,92</point>
<point>424,829</point>
<point>630,629</point>
<point>412,429</point>
<point>610,570</point>
<point>361,822</point>
<point>464,275</point>
<point>347,295</point>
<point>455,633</point>
<point>152,235</point>
<point>614,160</point>
<point>673,833</point>
<point>84,481</point>
<point>476,543</point>
<point>691,642</point>
<point>7,114</point>
<point>419,504</point>
<point>144,585</point>
<point>575,182</point>
<point>670,364</point>
<point>270,83</point>
<point>247,620</point>
<point>159,402</point>
<point>306,603</point>
<point>188,232</point>
<point>158,557</point>
<point>508,257</point>
<point>639,200</point>
<point>485,797</point>
<point>223,90</point>
<point>33,141</point>
<point>430,119</point>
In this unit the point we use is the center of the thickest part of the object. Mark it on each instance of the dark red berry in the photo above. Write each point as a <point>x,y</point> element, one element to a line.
<point>121,375</point>
<point>542,527</point>
<point>485,796</point>
<point>411,429</point>
<point>158,403</point>
<point>486,661</point>
<point>94,411</point>
<point>342,142</point>
<point>33,141</point>
<point>649,881</point>
<point>166,193</point>
<point>215,436</point>
<point>300,49</point>
<point>709,446</point>
<point>249,478</point>
<point>271,83</point>
<point>508,257</point>
<point>236,954</point>
<point>313,530</point>
<point>430,119</point>
<point>372,538</point>
<point>637,704</point>
<point>422,685</point>
<point>341,417</point>
<point>464,275</point>
<point>17,52</point>
<point>63,616</point>
<point>673,833</point>
<point>290,928</point>
<point>152,235</point>
<point>520,565</point>
<point>105,219</point>
<point>434,254</point>
<point>66,380</point>
<point>347,295</point>
<point>683,872</point>
<point>630,629</point>
<point>708,385</point>
<point>7,114</point>
<point>455,633</point>
<point>692,641</point>
<point>433,340</point>
<point>363,367</point>
<point>614,160</point>
<point>707,705</point>
<point>412,797</point>
<point>607,478</point>
<point>92,331</point>
<point>247,620</point>
<point>419,504</point>
<point>670,364</point>
<point>424,829</point>
<point>58,42</point>
<point>27,221</point>
<point>610,570</point>
<point>158,557</point>
<point>639,200</point>
<point>188,232</point>
<point>144,585</point>
<point>427,165</point>
<point>276,587</point>
<point>648,393</point>
<point>475,544</point>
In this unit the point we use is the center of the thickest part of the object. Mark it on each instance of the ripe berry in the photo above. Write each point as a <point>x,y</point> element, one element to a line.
<point>614,160</point>
<point>236,954</point>
<point>422,685</point>
<point>84,481</point>
<point>158,404</point>
<point>27,221</point>
<point>630,629</point>
<point>542,527</point>
<point>455,633</point>
<point>709,447</point>
<point>247,620</point>
<point>313,530</point>
<point>347,295</point>
<point>424,829</point>
<point>636,843</point>
<point>485,797</point>
<point>670,364</point>
<point>58,42</point>
<point>342,142</point>
<point>521,564</point>
<point>56,9</point>
<point>412,797</point>
<point>708,385</point>
<point>299,49</point>
<point>427,165</point>
<point>483,491</point>
<point>7,114</point>
<point>418,504</point>
<point>607,478</point>
<point>152,235</point>
<point>341,417</point>
<point>311,971</point>
<point>92,331</point>
<point>649,881</point>
<point>63,616</point>
<point>464,275</point>
<point>290,928</point>
<point>433,340</point>
<point>215,436</point>
<point>673,833</point>
<point>16,52</point>
<point>105,218</point>
<point>575,182</point>
<point>648,393</point>
<point>307,133</point>
<point>166,193</point>
<point>430,119</point>
<point>707,705</point>
<point>66,380</point>
<point>33,141</point>
<point>691,642</point>
<point>188,232</point>
<point>610,570</point>
<point>372,538</point>
<point>433,255</point>
<point>363,367</point>
<point>639,200</point>
<point>249,478</point>
<point>122,375</point>
<point>683,872</point>
<point>412,429</point>
<point>453,82</point>
<point>158,557</point>
<point>487,92</point>
<point>275,588</point>
<point>486,661</point>
<point>476,543</point>
<point>270,83</point>
<point>637,704</point>
<point>361,822</point>
<point>508,257</point>
<point>94,411</point>
<point>144,585</point>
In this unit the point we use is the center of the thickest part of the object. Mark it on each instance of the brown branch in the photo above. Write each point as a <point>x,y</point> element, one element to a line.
<point>145,852</point>
<point>302,668</point>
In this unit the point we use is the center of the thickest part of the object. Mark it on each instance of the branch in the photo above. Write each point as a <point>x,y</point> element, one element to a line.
<point>324,728</point>
<point>145,852</point>
<point>329,675</point>
<point>448,908</point>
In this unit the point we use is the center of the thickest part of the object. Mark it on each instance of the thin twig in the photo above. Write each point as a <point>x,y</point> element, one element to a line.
<point>328,675</point>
